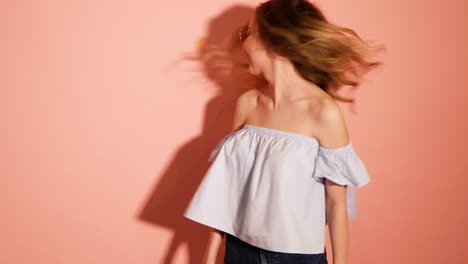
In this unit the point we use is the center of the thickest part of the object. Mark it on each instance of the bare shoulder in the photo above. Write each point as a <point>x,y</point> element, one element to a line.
<point>245,103</point>
<point>329,111</point>
<point>333,131</point>
<point>249,95</point>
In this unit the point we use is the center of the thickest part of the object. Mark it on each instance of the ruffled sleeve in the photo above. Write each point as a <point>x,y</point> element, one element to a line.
<point>344,167</point>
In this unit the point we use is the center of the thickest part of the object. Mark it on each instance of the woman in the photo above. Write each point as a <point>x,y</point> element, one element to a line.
<point>288,168</point>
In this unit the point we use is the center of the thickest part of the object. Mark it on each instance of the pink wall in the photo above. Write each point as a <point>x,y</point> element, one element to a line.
<point>106,130</point>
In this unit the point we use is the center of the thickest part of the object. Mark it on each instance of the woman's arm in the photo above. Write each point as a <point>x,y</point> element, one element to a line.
<point>334,134</point>
<point>214,241</point>
<point>337,219</point>
<point>244,104</point>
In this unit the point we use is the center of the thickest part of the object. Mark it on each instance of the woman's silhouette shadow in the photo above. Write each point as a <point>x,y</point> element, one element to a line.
<point>225,63</point>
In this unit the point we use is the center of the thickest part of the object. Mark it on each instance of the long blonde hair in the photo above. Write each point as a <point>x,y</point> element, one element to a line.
<point>320,51</point>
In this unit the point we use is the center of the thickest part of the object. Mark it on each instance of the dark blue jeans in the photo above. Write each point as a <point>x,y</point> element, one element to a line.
<point>240,252</point>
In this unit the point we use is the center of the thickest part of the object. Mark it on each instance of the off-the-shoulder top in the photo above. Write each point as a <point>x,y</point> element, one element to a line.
<point>267,187</point>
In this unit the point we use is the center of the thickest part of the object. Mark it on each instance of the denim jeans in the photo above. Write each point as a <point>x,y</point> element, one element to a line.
<point>240,252</point>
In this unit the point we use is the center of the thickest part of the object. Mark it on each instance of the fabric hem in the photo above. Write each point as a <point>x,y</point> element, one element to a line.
<point>252,242</point>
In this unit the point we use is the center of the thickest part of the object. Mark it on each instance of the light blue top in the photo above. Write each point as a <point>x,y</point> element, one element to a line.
<point>266,187</point>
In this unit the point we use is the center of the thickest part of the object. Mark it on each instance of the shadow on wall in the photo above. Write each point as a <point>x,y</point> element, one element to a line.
<point>224,62</point>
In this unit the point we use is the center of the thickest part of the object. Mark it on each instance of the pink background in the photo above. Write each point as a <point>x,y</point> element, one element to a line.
<point>106,129</point>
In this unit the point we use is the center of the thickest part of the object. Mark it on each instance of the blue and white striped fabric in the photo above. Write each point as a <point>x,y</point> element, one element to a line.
<point>267,187</point>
